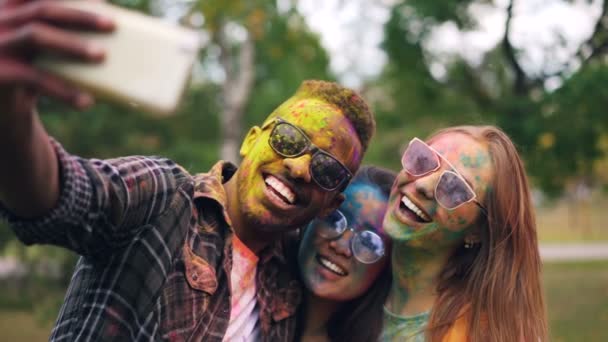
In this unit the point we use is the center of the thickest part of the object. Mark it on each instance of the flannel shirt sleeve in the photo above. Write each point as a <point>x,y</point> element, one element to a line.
<point>103,203</point>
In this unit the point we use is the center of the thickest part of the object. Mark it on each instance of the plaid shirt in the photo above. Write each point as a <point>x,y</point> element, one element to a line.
<point>156,254</point>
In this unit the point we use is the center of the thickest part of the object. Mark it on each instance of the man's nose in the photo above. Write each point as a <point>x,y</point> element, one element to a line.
<point>299,167</point>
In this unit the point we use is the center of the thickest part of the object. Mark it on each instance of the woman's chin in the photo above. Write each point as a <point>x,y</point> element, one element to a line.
<point>326,290</point>
<point>334,294</point>
<point>398,230</point>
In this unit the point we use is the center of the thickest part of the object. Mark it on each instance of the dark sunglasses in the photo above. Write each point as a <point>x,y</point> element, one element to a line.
<point>367,247</point>
<point>452,190</point>
<point>290,141</point>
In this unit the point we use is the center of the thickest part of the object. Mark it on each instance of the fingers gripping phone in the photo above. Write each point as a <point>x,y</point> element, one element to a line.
<point>148,61</point>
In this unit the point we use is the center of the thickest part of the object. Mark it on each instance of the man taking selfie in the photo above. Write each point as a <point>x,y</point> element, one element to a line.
<point>166,254</point>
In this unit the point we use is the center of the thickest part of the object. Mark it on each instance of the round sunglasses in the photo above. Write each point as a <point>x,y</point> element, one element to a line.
<point>367,246</point>
<point>452,190</point>
<point>289,141</point>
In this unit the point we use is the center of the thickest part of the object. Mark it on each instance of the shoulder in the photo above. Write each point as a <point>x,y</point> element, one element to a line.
<point>459,331</point>
<point>211,183</point>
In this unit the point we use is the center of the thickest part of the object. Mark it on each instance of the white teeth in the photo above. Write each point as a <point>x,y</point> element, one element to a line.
<point>411,206</point>
<point>281,188</point>
<point>331,266</point>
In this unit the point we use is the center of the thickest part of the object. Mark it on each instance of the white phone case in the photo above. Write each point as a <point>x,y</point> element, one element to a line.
<point>148,60</point>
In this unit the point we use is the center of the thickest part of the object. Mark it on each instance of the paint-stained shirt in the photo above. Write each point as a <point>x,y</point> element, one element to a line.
<point>412,329</point>
<point>156,254</point>
<point>244,315</point>
<point>404,328</point>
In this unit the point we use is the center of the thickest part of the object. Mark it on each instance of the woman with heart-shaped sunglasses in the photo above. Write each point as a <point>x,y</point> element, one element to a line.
<point>465,259</point>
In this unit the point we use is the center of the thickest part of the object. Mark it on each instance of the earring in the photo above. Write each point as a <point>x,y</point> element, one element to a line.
<point>468,243</point>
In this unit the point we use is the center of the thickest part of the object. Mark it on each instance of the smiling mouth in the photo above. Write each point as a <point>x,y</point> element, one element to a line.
<point>280,191</point>
<point>412,211</point>
<point>332,267</point>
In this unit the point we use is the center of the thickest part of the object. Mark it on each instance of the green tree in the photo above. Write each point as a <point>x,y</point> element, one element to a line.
<point>283,53</point>
<point>262,49</point>
<point>558,131</point>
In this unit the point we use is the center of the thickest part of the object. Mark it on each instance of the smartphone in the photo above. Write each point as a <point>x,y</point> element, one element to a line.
<point>147,65</point>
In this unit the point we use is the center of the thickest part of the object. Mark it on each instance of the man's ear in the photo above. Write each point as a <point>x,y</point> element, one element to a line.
<point>333,205</point>
<point>250,139</point>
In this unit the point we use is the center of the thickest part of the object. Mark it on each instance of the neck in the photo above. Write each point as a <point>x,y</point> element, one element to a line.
<point>255,241</point>
<point>317,312</point>
<point>415,274</point>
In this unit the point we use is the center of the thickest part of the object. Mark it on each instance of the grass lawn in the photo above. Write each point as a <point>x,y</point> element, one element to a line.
<point>22,326</point>
<point>565,221</point>
<point>577,301</point>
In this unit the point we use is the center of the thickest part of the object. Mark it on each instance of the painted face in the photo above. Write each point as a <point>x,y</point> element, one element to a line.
<point>413,213</point>
<point>328,266</point>
<point>278,193</point>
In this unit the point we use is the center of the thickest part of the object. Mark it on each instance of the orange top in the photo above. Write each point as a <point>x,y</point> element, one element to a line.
<point>458,331</point>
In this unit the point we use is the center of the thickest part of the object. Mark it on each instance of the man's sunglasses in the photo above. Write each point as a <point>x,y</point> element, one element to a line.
<point>452,190</point>
<point>367,247</point>
<point>290,141</point>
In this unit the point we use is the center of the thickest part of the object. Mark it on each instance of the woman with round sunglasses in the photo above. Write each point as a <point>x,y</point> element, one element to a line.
<point>465,258</point>
<point>343,261</point>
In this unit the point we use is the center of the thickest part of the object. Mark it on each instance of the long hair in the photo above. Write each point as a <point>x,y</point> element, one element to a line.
<point>360,319</point>
<point>496,284</point>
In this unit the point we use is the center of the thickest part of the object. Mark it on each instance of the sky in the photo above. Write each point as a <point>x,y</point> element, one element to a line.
<point>352,31</point>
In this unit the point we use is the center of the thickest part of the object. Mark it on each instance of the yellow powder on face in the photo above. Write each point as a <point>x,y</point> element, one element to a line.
<point>349,103</point>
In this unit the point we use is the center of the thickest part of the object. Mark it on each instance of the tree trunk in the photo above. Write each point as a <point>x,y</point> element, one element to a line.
<point>239,71</point>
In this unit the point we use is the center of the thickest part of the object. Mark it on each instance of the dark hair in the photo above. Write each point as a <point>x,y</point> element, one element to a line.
<point>352,105</point>
<point>360,319</point>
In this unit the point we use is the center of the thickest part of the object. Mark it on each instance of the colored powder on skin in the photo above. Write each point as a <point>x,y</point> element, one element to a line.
<point>352,106</point>
<point>449,235</point>
<point>477,161</point>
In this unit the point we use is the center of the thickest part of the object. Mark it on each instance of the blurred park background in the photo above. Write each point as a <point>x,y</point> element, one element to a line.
<point>536,68</point>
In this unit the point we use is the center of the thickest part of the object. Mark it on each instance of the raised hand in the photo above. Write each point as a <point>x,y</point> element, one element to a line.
<point>28,28</point>
<point>29,176</point>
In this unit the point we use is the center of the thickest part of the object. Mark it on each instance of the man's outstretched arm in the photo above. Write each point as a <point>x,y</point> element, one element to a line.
<point>29,172</point>
<point>29,177</point>
<point>49,196</point>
